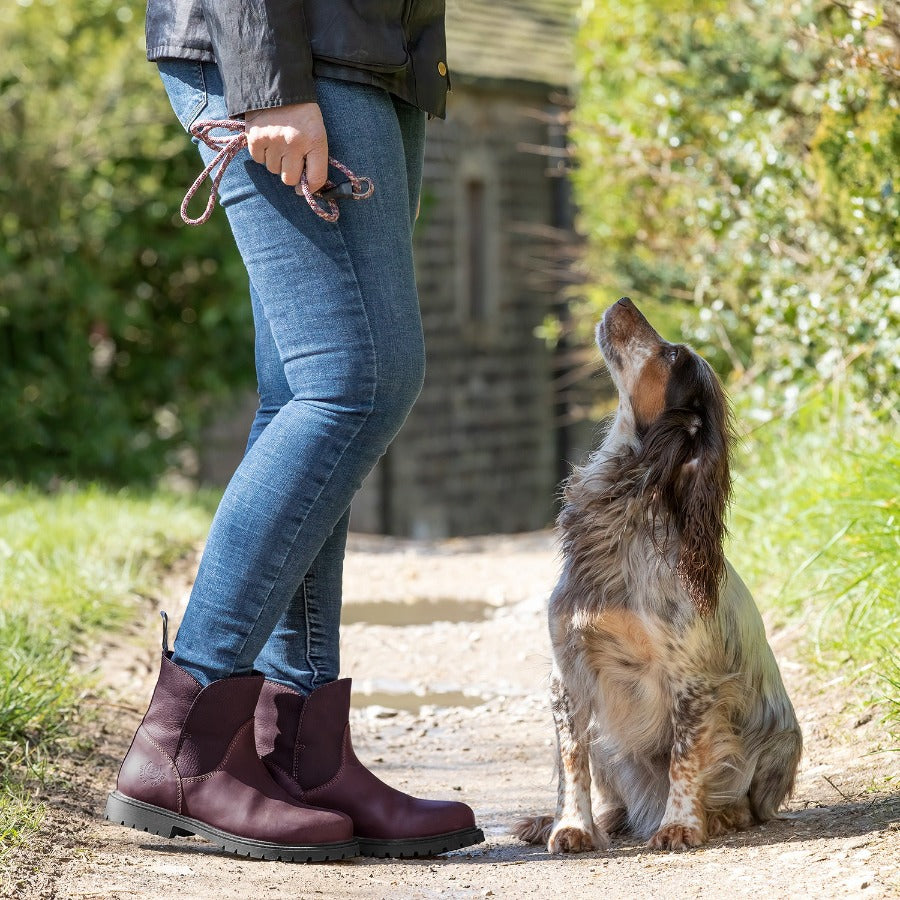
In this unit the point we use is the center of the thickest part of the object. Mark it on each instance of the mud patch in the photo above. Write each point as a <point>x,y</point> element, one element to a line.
<point>425,611</point>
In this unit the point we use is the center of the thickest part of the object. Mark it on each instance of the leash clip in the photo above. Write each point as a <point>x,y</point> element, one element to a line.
<point>354,187</point>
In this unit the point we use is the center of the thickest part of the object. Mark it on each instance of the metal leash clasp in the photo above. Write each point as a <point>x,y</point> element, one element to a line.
<point>323,202</point>
<point>355,187</point>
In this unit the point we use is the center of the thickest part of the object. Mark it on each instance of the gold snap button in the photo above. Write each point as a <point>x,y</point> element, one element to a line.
<point>442,68</point>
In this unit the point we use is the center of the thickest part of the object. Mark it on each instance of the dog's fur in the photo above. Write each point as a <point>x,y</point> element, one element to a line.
<point>663,688</point>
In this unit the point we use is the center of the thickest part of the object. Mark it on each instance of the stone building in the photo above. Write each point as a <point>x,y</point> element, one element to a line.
<point>482,450</point>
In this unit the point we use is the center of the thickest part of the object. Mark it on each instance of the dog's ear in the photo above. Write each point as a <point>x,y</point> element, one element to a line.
<point>703,489</point>
<point>685,453</point>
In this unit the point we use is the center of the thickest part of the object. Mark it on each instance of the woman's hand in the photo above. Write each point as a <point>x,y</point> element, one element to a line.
<point>285,138</point>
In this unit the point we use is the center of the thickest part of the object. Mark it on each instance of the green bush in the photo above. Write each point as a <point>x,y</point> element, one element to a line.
<point>741,156</point>
<point>119,326</point>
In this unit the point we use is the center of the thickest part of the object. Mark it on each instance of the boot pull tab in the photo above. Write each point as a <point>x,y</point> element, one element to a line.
<point>165,640</point>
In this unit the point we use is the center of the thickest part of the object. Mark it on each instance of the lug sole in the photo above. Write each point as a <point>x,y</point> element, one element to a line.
<point>133,813</point>
<point>406,848</point>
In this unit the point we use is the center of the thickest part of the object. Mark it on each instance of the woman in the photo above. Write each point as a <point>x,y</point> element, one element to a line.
<point>340,360</point>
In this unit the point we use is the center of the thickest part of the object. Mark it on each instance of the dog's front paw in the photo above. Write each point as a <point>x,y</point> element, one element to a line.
<point>677,837</point>
<point>572,839</point>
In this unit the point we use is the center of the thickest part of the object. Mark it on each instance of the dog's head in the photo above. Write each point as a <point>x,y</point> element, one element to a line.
<point>675,415</point>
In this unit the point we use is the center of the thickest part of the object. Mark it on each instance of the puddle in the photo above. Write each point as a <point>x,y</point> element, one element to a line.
<point>420,612</point>
<point>409,701</point>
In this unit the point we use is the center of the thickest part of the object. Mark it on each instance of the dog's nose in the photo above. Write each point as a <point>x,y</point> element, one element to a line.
<point>625,301</point>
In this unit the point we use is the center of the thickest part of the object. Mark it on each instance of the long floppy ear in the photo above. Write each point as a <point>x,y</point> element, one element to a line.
<point>686,458</point>
<point>703,490</point>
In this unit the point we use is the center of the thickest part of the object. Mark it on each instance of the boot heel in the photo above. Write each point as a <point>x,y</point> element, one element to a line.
<point>133,814</point>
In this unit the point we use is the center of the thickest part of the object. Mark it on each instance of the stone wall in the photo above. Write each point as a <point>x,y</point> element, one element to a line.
<point>478,452</point>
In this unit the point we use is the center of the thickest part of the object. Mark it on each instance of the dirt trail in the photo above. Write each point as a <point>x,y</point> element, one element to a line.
<point>447,646</point>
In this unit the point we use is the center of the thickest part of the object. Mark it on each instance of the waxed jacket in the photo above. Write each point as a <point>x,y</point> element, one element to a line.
<point>270,50</point>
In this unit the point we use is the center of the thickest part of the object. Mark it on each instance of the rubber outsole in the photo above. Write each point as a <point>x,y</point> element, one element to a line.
<point>133,813</point>
<point>418,847</point>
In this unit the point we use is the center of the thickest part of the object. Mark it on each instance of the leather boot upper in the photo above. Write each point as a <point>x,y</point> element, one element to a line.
<point>195,754</point>
<point>307,747</point>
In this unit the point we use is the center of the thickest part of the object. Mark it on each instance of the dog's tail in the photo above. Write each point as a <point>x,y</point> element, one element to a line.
<point>773,780</point>
<point>534,829</point>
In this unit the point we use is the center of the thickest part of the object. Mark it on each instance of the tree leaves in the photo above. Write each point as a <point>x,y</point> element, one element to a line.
<point>102,290</point>
<point>744,155</point>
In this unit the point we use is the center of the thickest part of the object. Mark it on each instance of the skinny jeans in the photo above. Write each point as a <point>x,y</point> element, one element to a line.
<point>339,361</point>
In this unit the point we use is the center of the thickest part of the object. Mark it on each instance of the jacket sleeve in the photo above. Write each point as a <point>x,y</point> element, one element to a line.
<point>262,50</point>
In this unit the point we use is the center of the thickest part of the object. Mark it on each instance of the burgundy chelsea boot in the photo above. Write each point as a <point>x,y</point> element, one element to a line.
<point>305,743</point>
<point>193,769</point>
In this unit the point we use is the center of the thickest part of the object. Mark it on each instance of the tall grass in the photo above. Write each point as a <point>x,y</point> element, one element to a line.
<point>72,565</point>
<point>816,533</point>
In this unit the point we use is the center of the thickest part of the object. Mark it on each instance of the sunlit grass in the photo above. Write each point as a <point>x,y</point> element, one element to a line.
<point>816,534</point>
<point>72,564</point>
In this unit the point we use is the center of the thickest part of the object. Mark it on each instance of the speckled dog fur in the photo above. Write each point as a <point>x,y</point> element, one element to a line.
<point>664,690</point>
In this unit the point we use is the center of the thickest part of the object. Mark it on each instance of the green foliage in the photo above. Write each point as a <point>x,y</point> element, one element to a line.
<point>816,534</point>
<point>19,818</point>
<point>72,565</point>
<point>118,325</point>
<point>742,156</point>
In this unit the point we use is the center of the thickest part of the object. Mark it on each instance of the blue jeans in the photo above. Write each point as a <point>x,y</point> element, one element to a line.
<point>340,360</point>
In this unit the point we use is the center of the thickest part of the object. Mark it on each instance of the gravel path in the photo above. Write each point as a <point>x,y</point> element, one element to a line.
<point>447,646</point>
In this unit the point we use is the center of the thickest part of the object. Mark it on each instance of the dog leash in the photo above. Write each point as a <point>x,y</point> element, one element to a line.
<point>361,188</point>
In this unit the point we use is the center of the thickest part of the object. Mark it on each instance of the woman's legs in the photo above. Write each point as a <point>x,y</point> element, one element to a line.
<point>303,651</point>
<point>341,305</point>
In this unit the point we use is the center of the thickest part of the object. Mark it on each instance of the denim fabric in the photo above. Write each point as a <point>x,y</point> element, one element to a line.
<point>340,361</point>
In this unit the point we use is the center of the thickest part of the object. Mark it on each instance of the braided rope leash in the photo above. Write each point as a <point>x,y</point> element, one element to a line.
<point>228,146</point>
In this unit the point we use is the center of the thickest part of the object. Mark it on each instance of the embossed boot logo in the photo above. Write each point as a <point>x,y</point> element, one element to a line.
<point>152,774</point>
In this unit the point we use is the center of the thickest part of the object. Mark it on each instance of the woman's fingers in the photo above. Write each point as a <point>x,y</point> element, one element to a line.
<point>316,168</point>
<point>257,147</point>
<point>286,138</point>
<point>291,170</point>
<point>273,157</point>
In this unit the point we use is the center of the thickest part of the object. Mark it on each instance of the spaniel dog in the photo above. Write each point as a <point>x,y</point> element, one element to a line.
<point>663,688</point>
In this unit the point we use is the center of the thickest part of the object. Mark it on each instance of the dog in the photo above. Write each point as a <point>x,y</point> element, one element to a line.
<point>663,686</point>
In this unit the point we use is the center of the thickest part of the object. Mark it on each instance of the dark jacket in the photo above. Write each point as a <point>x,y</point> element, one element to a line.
<point>269,50</point>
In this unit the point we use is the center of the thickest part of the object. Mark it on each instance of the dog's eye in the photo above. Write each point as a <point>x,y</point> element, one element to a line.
<point>672,354</point>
